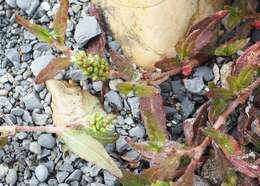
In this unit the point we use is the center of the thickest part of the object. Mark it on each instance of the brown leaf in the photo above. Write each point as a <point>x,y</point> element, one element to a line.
<point>191,126</point>
<point>250,57</point>
<point>42,33</point>
<point>97,44</point>
<point>60,21</point>
<point>200,36</point>
<point>52,69</point>
<point>122,64</point>
<point>154,118</point>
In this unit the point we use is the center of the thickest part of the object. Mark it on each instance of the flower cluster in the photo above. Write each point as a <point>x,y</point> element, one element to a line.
<point>100,123</point>
<point>93,66</point>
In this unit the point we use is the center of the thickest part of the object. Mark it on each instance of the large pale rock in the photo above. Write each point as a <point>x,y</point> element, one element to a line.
<point>148,30</point>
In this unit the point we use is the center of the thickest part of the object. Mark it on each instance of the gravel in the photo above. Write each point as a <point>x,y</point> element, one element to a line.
<point>137,131</point>
<point>41,173</point>
<point>13,56</point>
<point>195,85</point>
<point>35,148</point>
<point>114,99</point>
<point>40,63</point>
<point>11,177</point>
<point>32,101</point>
<point>47,141</point>
<point>86,29</point>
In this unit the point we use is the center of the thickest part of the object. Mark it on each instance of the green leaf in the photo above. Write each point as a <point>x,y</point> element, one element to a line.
<point>230,48</point>
<point>60,21</point>
<point>154,118</point>
<point>139,89</point>
<point>130,179</point>
<point>3,141</point>
<point>40,32</point>
<point>233,19</point>
<point>230,178</point>
<point>227,143</point>
<point>90,149</point>
<point>107,137</point>
<point>218,106</point>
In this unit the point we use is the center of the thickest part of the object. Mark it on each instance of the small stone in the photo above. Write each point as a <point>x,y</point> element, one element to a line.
<point>225,71</point>
<point>63,184</point>
<point>66,167</point>
<point>75,176</point>
<point>61,176</point>
<point>131,156</point>
<point>40,63</point>
<point>11,3</point>
<point>188,107</point>
<point>204,72</point>
<point>134,105</point>
<point>41,172</point>
<point>40,119</point>
<point>21,135</point>
<point>121,144</point>
<point>47,141</point>
<point>109,179</point>
<point>11,177</point>
<point>27,117</point>
<point>32,101</point>
<point>76,75</point>
<point>26,48</point>
<point>5,103</point>
<point>97,86</point>
<point>195,85</point>
<point>29,6</point>
<point>113,83</point>
<point>114,98</point>
<point>17,111</point>
<point>97,184</point>
<point>137,131</point>
<point>94,171</point>
<point>35,148</point>
<point>13,56</point>
<point>256,35</point>
<point>86,29</point>
<point>3,170</point>
<point>45,6</point>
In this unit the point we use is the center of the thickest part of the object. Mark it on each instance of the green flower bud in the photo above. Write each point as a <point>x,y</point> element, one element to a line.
<point>93,66</point>
<point>99,123</point>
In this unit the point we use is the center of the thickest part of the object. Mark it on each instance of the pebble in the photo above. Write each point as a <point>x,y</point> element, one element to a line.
<point>113,83</point>
<point>121,144</point>
<point>195,85</point>
<point>97,86</point>
<point>61,176</point>
<point>26,48</point>
<point>47,141</point>
<point>115,99</point>
<point>5,103</point>
<point>40,63</point>
<point>17,111</point>
<point>29,6</point>
<point>3,170</point>
<point>32,101</point>
<point>86,29</point>
<point>205,73</point>
<point>11,177</point>
<point>109,179</point>
<point>35,148</point>
<point>40,119</point>
<point>11,3</point>
<point>137,131</point>
<point>75,176</point>
<point>41,173</point>
<point>13,56</point>
<point>45,6</point>
<point>188,107</point>
<point>27,117</point>
<point>134,105</point>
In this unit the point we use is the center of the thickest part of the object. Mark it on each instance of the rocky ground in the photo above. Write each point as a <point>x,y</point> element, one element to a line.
<point>37,158</point>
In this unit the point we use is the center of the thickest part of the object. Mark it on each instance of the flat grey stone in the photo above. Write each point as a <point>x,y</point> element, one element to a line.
<point>66,167</point>
<point>40,63</point>
<point>11,177</point>
<point>121,144</point>
<point>40,119</point>
<point>109,179</point>
<point>27,117</point>
<point>17,111</point>
<point>75,176</point>
<point>114,99</point>
<point>14,57</point>
<point>47,141</point>
<point>86,29</point>
<point>11,3</point>
<point>35,148</point>
<point>32,101</point>
<point>195,85</point>
<point>29,6</point>
<point>188,107</point>
<point>61,176</point>
<point>26,48</point>
<point>41,173</point>
<point>205,73</point>
<point>134,105</point>
<point>5,103</point>
<point>137,131</point>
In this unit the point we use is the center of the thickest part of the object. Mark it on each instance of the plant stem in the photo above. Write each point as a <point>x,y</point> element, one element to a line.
<point>198,151</point>
<point>14,129</point>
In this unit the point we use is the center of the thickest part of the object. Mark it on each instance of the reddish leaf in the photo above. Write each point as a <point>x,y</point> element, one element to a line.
<point>123,65</point>
<point>257,24</point>
<point>186,70</point>
<point>154,118</point>
<point>42,33</point>
<point>191,126</point>
<point>250,57</point>
<point>167,64</point>
<point>97,44</point>
<point>52,69</point>
<point>200,35</point>
<point>60,21</point>
<point>248,169</point>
